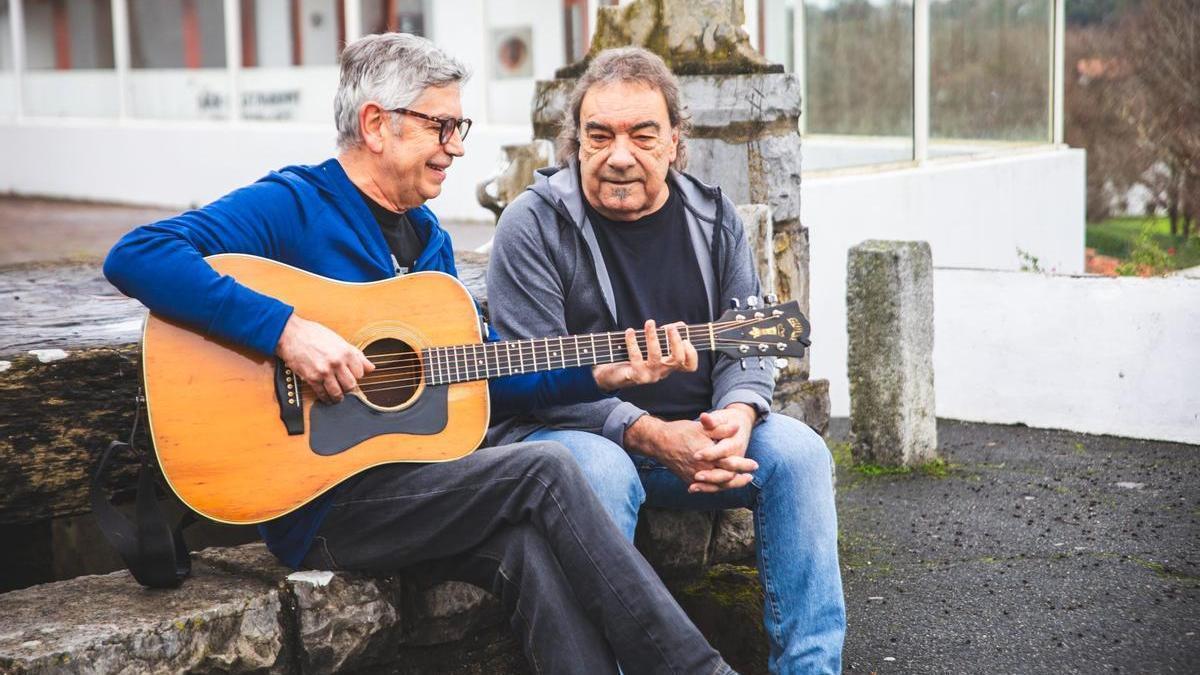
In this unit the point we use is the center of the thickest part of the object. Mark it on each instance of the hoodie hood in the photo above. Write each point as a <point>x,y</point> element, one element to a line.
<point>330,178</point>
<point>559,187</point>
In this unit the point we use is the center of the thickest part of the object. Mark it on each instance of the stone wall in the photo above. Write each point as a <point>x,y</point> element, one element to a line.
<point>241,611</point>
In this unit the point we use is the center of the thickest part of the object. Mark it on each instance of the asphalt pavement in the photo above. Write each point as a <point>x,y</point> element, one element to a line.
<point>1027,551</point>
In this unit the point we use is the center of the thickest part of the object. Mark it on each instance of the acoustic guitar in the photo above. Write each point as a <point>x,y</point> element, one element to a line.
<point>241,439</point>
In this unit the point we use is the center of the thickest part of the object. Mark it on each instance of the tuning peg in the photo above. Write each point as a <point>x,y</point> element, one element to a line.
<point>771,299</point>
<point>762,365</point>
<point>781,363</point>
<point>743,362</point>
<point>752,301</point>
<point>734,304</point>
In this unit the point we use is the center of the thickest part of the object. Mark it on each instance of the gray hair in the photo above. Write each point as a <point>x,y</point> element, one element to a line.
<point>625,64</point>
<point>392,69</point>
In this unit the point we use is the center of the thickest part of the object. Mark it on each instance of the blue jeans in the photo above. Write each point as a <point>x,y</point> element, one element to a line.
<point>516,520</point>
<point>795,527</point>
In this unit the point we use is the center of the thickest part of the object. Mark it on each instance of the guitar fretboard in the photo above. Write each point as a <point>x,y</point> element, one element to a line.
<point>464,363</point>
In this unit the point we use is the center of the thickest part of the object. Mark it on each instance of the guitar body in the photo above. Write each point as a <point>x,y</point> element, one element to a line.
<point>215,415</point>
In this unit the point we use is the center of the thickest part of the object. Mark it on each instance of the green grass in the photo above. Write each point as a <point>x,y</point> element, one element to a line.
<point>937,468</point>
<point>1115,237</point>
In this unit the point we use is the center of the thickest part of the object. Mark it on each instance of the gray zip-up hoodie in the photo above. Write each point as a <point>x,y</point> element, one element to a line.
<point>547,278</point>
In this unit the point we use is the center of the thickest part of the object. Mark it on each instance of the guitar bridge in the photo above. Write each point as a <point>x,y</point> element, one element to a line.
<point>287,394</point>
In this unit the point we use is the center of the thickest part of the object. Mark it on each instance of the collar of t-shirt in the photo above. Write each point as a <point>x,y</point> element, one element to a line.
<point>402,238</point>
<point>667,214</point>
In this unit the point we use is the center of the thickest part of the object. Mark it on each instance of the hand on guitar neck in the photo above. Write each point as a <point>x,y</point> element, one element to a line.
<point>333,366</point>
<point>653,366</point>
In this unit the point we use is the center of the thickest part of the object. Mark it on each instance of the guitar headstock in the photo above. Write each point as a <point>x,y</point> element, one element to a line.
<point>772,329</point>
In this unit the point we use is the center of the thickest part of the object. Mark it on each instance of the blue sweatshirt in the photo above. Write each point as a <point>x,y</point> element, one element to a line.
<point>310,217</point>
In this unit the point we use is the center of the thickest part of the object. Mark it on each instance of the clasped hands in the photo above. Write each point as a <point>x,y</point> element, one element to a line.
<point>708,454</point>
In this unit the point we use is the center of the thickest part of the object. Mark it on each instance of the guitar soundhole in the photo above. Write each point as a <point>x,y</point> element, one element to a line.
<point>396,376</point>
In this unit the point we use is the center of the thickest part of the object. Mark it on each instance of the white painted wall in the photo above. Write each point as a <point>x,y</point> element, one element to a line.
<point>178,164</point>
<point>8,95</point>
<point>458,28</point>
<point>72,93</point>
<point>1094,354</point>
<point>974,213</point>
<point>318,31</point>
<point>509,100</point>
<point>272,40</point>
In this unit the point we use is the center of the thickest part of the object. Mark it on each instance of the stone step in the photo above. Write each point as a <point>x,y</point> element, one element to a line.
<point>242,611</point>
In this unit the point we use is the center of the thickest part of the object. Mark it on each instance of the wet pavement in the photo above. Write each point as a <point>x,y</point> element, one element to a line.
<point>1029,551</point>
<point>43,230</point>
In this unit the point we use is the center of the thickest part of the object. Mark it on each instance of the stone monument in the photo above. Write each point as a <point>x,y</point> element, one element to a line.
<point>889,315</point>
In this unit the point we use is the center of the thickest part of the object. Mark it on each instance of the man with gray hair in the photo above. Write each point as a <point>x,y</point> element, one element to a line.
<point>619,234</point>
<point>517,520</point>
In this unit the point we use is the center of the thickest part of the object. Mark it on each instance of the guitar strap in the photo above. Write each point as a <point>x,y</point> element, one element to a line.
<point>155,554</point>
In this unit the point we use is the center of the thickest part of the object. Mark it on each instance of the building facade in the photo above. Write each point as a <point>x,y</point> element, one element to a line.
<point>937,120</point>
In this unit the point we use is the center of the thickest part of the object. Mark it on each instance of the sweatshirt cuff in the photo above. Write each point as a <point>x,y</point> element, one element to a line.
<point>252,319</point>
<point>619,419</point>
<point>578,385</point>
<point>761,405</point>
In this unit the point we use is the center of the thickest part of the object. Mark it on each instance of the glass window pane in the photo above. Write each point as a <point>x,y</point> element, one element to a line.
<point>69,59</point>
<point>858,62</point>
<point>778,20</point>
<point>289,55</point>
<point>8,82</point>
<point>403,16</point>
<point>61,35</point>
<point>177,33</point>
<point>989,74</point>
<point>177,55</point>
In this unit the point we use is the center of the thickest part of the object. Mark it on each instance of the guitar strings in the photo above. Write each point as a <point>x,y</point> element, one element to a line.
<point>412,363</point>
<point>701,331</point>
<point>411,359</point>
<point>411,377</point>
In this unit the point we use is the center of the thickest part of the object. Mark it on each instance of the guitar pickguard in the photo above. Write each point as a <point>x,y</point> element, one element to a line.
<point>339,427</point>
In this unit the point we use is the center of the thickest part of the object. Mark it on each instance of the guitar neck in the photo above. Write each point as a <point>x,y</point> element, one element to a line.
<point>465,363</point>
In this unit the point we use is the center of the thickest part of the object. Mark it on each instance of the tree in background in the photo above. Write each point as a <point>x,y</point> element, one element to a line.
<point>1161,39</point>
<point>1133,100</point>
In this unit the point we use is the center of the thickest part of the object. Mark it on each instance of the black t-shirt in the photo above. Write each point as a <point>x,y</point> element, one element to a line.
<point>402,238</point>
<point>655,275</point>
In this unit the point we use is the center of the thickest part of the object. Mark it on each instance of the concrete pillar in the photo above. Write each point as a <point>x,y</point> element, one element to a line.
<point>889,298</point>
<point>760,232</point>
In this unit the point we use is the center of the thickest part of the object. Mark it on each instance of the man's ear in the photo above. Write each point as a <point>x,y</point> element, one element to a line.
<point>674,144</point>
<point>371,122</point>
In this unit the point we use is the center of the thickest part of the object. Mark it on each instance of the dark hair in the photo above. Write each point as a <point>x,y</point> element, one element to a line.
<point>625,64</point>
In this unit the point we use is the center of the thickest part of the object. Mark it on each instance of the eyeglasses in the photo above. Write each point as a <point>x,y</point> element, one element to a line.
<point>447,124</point>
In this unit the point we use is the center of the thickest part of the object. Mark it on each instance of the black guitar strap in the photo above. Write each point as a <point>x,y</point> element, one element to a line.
<point>155,554</point>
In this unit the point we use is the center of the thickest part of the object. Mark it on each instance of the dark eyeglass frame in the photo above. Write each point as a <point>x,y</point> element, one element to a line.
<point>447,125</point>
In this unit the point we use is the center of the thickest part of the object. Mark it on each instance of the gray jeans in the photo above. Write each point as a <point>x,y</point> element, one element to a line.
<point>520,521</point>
